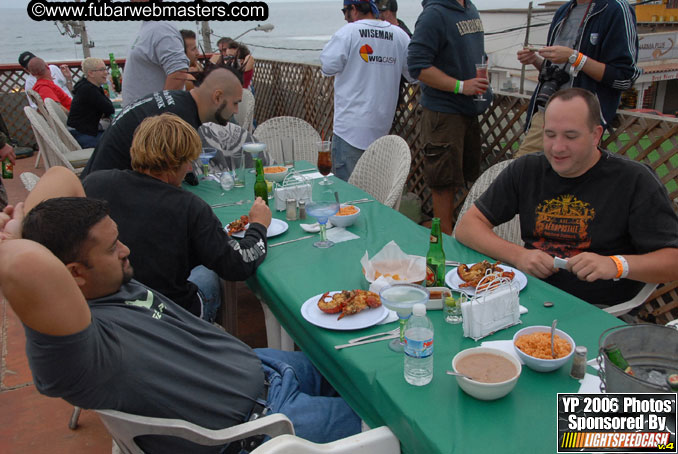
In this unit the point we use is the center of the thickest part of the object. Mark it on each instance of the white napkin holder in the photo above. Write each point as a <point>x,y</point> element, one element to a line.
<point>295,186</point>
<point>491,310</point>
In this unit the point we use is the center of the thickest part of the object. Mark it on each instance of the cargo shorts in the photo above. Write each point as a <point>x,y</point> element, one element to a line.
<point>451,148</point>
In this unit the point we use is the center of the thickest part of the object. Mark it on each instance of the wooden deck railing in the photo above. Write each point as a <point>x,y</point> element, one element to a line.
<point>300,90</point>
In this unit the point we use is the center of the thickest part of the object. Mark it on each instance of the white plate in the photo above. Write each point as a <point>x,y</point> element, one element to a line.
<point>453,280</point>
<point>276,228</point>
<point>364,319</point>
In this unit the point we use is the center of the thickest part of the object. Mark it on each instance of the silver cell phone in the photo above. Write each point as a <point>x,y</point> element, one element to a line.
<point>559,263</point>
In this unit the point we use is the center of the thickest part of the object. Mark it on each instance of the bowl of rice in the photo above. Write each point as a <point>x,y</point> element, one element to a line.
<point>275,173</point>
<point>533,347</point>
<point>346,216</point>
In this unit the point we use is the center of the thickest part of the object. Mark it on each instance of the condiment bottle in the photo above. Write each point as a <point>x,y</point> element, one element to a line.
<point>260,186</point>
<point>615,356</point>
<point>578,370</point>
<point>435,257</point>
<point>302,209</point>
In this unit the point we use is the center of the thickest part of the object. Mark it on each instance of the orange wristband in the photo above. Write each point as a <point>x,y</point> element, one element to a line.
<point>578,60</point>
<point>619,265</point>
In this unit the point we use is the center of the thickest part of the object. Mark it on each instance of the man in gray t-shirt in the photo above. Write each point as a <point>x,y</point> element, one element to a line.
<point>156,61</point>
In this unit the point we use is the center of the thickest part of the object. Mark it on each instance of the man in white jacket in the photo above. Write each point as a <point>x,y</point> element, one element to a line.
<point>367,57</point>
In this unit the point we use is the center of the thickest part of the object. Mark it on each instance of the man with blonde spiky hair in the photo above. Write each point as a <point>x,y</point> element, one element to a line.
<point>178,245</point>
<point>90,103</point>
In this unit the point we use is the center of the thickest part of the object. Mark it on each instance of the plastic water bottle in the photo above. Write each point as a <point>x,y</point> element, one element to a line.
<point>418,347</point>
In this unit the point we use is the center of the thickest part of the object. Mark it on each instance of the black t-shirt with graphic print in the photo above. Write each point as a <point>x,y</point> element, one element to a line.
<point>170,231</point>
<point>143,354</point>
<point>618,207</point>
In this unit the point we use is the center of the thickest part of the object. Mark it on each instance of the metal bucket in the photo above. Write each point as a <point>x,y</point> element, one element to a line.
<point>645,347</point>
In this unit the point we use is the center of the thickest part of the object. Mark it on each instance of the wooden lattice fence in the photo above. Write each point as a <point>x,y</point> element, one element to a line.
<point>301,90</point>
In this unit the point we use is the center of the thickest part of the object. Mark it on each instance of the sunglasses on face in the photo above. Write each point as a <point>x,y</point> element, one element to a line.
<point>346,9</point>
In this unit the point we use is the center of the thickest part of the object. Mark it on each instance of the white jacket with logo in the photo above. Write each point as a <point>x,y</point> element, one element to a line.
<point>367,59</point>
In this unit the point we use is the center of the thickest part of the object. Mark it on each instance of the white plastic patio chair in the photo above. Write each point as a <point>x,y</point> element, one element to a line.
<point>304,135</point>
<point>55,152</point>
<point>55,110</point>
<point>59,125</point>
<point>383,169</point>
<point>245,114</point>
<point>510,231</point>
<point>37,100</point>
<point>124,427</point>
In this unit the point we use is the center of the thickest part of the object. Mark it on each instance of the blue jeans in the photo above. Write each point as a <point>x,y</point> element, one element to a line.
<point>85,140</point>
<point>209,288</point>
<point>302,394</point>
<point>344,157</point>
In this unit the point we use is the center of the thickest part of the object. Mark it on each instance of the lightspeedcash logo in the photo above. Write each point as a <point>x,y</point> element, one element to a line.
<point>106,10</point>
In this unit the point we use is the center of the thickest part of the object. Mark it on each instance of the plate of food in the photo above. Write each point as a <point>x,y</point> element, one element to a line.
<point>237,228</point>
<point>466,277</point>
<point>344,309</point>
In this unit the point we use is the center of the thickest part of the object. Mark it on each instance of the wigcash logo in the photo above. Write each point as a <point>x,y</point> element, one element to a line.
<point>366,54</point>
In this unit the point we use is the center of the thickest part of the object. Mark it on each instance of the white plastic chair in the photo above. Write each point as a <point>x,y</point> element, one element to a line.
<point>124,427</point>
<point>29,180</point>
<point>304,135</point>
<point>383,169</point>
<point>510,231</point>
<point>37,100</point>
<point>55,152</point>
<point>245,114</point>
<point>56,111</point>
<point>58,122</point>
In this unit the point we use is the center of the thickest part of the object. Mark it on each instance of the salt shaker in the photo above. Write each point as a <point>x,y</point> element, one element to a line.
<point>579,362</point>
<point>291,209</point>
<point>302,209</point>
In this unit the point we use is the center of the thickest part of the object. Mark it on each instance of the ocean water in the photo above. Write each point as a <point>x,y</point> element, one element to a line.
<point>301,30</point>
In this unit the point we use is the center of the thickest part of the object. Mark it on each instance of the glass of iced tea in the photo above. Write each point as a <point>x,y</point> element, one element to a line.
<point>481,72</point>
<point>325,160</point>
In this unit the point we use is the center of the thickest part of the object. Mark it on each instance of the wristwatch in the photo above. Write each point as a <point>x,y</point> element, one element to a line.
<point>573,58</point>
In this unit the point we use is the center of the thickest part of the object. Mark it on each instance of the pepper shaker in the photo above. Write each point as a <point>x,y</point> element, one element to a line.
<point>579,362</point>
<point>302,209</point>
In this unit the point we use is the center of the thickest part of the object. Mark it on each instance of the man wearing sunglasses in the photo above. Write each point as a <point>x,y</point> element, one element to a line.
<point>367,57</point>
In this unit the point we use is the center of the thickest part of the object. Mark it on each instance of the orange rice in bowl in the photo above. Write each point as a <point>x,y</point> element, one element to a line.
<point>533,347</point>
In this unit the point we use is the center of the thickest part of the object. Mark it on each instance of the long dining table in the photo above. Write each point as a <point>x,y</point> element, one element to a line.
<point>438,417</point>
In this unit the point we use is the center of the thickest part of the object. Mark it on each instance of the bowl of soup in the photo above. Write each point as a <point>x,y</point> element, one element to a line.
<point>494,372</point>
<point>533,346</point>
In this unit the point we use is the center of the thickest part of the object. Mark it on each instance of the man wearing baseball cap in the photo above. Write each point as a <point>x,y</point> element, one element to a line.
<point>388,10</point>
<point>367,57</point>
<point>60,75</point>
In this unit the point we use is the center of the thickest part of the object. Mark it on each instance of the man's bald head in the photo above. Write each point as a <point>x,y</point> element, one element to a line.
<point>37,67</point>
<point>218,96</point>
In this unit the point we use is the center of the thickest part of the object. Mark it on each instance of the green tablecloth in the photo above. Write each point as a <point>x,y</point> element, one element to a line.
<point>439,417</point>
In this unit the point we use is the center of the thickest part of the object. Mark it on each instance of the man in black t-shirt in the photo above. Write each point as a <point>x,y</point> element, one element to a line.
<point>215,100</point>
<point>608,216</point>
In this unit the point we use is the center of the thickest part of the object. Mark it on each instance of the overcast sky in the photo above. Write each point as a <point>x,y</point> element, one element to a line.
<point>480,4</point>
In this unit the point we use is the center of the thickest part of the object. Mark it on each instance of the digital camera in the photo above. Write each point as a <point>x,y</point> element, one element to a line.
<point>552,78</point>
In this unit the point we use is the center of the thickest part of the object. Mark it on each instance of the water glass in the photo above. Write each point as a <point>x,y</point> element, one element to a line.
<point>287,147</point>
<point>452,309</point>
<point>238,169</point>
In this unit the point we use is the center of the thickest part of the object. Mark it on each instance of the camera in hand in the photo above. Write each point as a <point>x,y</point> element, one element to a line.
<point>552,77</point>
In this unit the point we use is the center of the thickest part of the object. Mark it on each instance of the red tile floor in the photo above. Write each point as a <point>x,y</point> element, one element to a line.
<point>33,423</point>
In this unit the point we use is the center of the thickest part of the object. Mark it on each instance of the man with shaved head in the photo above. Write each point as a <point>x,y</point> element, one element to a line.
<point>215,100</point>
<point>44,84</point>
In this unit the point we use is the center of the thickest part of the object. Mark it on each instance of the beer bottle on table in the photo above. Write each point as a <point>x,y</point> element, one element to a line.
<point>7,169</point>
<point>615,356</point>
<point>260,186</point>
<point>435,257</point>
<point>116,76</point>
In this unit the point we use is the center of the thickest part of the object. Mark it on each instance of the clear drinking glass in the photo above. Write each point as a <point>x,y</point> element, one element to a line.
<point>325,160</point>
<point>205,156</point>
<point>401,298</point>
<point>481,71</point>
<point>324,204</point>
<point>452,309</point>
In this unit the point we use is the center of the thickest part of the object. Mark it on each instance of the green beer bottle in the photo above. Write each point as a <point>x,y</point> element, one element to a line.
<point>7,169</point>
<point>435,257</point>
<point>260,186</point>
<point>615,356</point>
<point>116,76</point>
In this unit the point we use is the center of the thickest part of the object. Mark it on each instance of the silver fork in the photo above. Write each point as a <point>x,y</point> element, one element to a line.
<point>222,205</point>
<point>358,339</point>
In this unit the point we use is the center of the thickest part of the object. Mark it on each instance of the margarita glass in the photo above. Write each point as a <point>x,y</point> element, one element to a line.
<point>401,298</point>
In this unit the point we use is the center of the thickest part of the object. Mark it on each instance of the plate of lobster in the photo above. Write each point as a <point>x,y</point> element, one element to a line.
<point>466,277</point>
<point>344,309</point>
